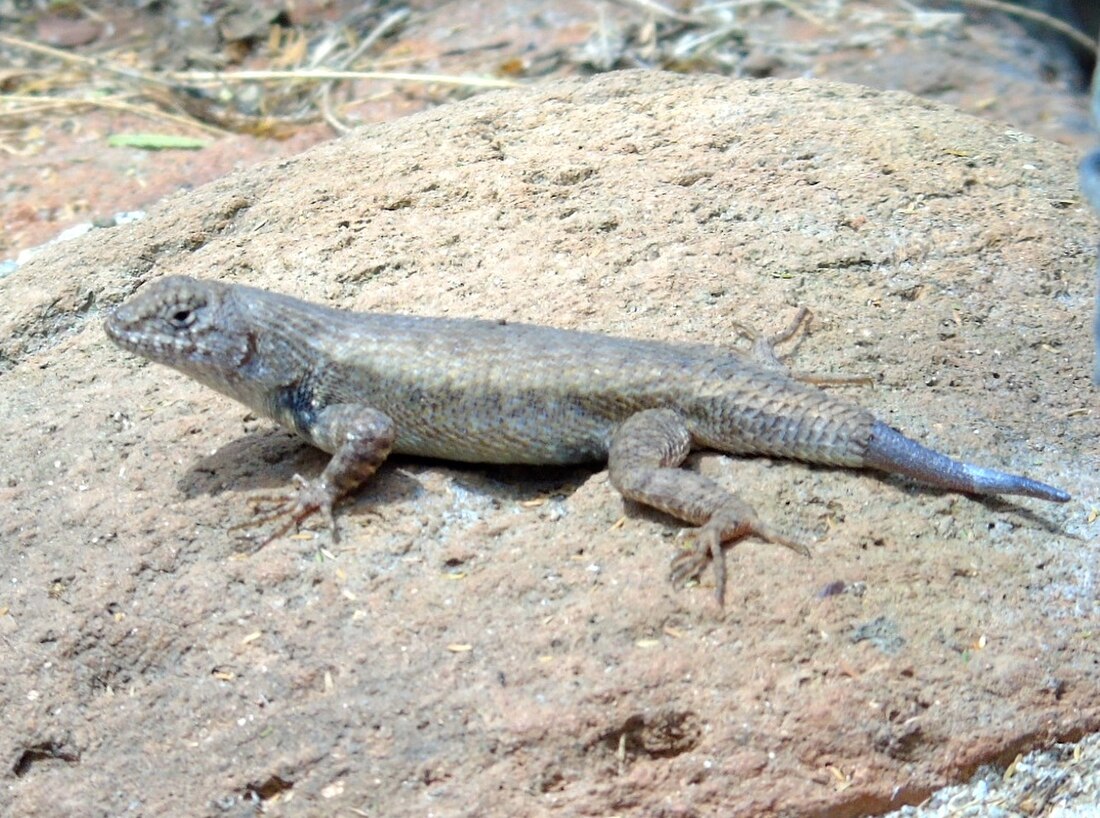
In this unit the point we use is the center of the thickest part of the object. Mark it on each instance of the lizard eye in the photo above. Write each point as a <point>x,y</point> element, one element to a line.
<point>182,318</point>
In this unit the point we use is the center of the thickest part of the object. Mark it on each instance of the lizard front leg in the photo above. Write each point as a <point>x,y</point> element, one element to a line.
<point>360,439</point>
<point>646,451</point>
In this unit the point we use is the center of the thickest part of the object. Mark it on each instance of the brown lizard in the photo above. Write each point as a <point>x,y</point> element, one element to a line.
<point>360,385</point>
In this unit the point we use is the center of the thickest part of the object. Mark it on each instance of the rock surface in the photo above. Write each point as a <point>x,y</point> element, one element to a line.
<point>503,641</point>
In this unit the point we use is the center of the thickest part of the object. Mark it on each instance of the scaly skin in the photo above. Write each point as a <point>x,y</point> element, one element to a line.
<point>361,385</point>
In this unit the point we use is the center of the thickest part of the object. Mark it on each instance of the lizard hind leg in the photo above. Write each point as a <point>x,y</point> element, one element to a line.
<point>763,352</point>
<point>646,451</point>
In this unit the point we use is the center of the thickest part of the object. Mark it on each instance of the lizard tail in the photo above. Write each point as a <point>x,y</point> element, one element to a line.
<point>891,451</point>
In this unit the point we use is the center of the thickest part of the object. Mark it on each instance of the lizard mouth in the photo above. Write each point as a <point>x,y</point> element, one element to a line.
<point>117,332</point>
<point>158,346</point>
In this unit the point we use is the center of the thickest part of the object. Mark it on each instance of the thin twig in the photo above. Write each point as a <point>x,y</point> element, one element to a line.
<point>35,103</point>
<point>325,102</point>
<point>178,82</point>
<point>77,59</point>
<point>805,14</point>
<point>1060,26</point>
<point>203,78</point>
<point>664,11</point>
<point>377,33</point>
<point>325,92</point>
<point>789,5</point>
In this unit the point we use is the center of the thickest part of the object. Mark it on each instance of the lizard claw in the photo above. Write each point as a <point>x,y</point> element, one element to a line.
<point>690,563</point>
<point>312,497</point>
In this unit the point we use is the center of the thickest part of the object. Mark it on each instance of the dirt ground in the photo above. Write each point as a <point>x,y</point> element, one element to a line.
<point>55,171</point>
<point>489,641</point>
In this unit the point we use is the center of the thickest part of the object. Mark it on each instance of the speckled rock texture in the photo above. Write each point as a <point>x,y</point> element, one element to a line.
<point>504,641</point>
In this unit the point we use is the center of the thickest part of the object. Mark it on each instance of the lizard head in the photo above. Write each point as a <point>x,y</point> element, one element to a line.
<point>187,323</point>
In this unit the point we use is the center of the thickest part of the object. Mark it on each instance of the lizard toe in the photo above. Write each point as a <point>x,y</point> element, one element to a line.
<point>690,563</point>
<point>293,507</point>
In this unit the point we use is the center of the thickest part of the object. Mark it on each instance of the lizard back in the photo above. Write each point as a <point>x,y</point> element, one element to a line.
<point>492,391</point>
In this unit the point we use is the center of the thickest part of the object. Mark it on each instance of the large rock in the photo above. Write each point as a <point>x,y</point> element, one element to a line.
<point>500,641</point>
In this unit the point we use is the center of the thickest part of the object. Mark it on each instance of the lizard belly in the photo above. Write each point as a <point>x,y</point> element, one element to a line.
<point>502,429</point>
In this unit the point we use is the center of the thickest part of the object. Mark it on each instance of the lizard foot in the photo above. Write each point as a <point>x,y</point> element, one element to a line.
<point>763,346</point>
<point>763,352</point>
<point>312,497</point>
<point>708,547</point>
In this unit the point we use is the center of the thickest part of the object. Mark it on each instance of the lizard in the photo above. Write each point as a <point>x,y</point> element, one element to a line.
<point>362,385</point>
